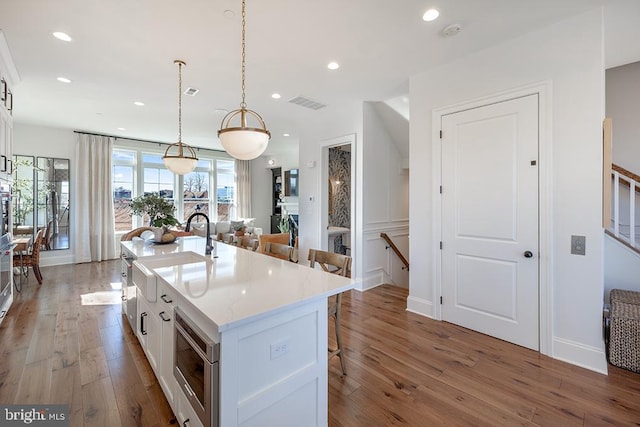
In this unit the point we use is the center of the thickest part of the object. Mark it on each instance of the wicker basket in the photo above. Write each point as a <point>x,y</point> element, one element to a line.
<point>630,297</point>
<point>624,341</point>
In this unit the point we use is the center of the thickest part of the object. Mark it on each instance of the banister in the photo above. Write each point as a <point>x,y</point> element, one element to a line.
<point>395,249</point>
<point>627,174</point>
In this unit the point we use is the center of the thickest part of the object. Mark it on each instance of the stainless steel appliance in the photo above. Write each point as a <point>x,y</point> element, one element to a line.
<point>5,201</point>
<point>129,303</point>
<point>6,276</point>
<point>196,368</point>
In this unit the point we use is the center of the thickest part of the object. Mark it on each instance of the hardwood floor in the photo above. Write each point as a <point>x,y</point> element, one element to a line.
<point>66,342</point>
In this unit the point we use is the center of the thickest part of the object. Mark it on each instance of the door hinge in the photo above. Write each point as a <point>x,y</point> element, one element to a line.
<point>441,134</point>
<point>440,300</point>
<point>440,244</point>
<point>441,189</point>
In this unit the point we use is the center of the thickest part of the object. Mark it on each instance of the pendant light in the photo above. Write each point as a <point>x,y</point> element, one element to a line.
<point>243,142</point>
<point>179,163</point>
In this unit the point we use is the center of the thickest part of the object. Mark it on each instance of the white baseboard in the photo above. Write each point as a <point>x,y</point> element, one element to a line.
<point>56,260</point>
<point>372,279</point>
<point>585,356</point>
<point>420,306</point>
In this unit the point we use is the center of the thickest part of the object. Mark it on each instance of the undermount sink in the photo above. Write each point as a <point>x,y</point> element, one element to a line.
<point>144,277</point>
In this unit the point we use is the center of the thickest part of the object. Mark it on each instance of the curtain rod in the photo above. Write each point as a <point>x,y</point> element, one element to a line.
<point>144,140</point>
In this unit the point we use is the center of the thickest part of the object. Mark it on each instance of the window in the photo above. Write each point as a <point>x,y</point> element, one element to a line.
<point>124,163</point>
<point>196,190</point>
<point>137,172</point>
<point>225,189</point>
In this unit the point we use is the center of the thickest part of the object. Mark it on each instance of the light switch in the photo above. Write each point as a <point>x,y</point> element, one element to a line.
<point>578,245</point>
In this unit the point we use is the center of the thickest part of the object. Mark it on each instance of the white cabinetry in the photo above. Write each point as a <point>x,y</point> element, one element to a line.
<point>164,312</point>
<point>155,324</point>
<point>6,143</point>
<point>148,330</point>
<point>185,414</point>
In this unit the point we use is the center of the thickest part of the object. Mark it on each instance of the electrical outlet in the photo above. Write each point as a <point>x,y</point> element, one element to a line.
<point>578,245</point>
<point>280,348</point>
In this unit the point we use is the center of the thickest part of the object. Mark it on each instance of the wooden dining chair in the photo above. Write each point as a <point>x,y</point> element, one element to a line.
<point>278,250</point>
<point>282,238</point>
<point>335,264</point>
<point>31,258</point>
<point>248,242</point>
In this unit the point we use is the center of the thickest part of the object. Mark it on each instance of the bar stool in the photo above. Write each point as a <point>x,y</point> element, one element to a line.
<point>335,264</point>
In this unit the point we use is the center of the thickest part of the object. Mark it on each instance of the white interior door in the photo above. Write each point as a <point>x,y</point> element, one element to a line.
<point>490,220</point>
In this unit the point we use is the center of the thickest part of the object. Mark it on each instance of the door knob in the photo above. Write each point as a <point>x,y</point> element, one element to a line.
<point>528,254</point>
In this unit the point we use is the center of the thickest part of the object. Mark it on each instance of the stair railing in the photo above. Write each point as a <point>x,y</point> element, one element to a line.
<point>391,245</point>
<point>623,177</point>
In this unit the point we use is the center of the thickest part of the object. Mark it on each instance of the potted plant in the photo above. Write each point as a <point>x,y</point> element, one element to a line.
<point>159,210</point>
<point>238,227</point>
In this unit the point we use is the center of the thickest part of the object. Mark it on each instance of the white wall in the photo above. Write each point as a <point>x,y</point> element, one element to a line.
<point>322,126</point>
<point>623,106</point>
<point>569,55</point>
<point>261,181</point>
<point>31,140</point>
<point>385,202</point>
<point>621,267</point>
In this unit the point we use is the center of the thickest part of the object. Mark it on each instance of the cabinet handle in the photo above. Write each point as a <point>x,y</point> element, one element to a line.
<point>3,313</point>
<point>165,319</point>
<point>4,163</point>
<point>123,274</point>
<point>10,166</point>
<point>164,298</point>
<point>184,424</point>
<point>123,297</point>
<point>142,316</point>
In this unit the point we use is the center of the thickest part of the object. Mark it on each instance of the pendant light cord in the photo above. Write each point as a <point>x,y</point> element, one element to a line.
<point>180,63</point>
<point>243,104</point>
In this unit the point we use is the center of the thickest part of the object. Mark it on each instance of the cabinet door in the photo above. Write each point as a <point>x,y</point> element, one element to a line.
<point>165,372</point>
<point>154,338</point>
<point>186,415</point>
<point>148,331</point>
<point>5,134</point>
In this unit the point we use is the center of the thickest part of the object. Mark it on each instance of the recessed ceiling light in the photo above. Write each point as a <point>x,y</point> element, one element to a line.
<point>431,15</point>
<point>333,66</point>
<point>275,96</point>
<point>62,36</point>
<point>121,129</point>
<point>285,134</point>
<point>139,104</point>
<point>229,14</point>
<point>64,80</point>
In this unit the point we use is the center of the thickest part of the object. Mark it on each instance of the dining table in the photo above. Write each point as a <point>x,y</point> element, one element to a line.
<point>21,230</point>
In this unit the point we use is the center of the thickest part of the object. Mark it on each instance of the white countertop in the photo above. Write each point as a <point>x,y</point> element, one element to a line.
<point>238,286</point>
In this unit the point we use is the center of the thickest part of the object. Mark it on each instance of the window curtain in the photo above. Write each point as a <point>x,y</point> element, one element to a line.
<point>94,221</point>
<point>243,188</point>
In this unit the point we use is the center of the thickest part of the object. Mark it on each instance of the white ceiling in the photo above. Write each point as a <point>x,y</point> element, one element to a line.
<point>123,51</point>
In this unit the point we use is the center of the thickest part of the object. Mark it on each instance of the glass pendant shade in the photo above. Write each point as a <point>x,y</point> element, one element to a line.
<point>179,163</point>
<point>174,157</point>
<point>243,142</point>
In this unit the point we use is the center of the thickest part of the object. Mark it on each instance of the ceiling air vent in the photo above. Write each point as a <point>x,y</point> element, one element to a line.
<point>306,102</point>
<point>191,91</point>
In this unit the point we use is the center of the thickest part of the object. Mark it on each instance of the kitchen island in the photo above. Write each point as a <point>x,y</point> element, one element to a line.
<point>266,317</point>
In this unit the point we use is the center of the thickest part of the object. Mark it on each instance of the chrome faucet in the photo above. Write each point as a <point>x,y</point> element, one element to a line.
<point>209,245</point>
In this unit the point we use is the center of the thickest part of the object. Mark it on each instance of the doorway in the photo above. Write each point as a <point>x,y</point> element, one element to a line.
<point>490,219</point>
<point>338,197</point>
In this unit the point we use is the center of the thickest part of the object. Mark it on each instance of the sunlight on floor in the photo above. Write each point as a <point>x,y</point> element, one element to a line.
<point>102,298</point>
